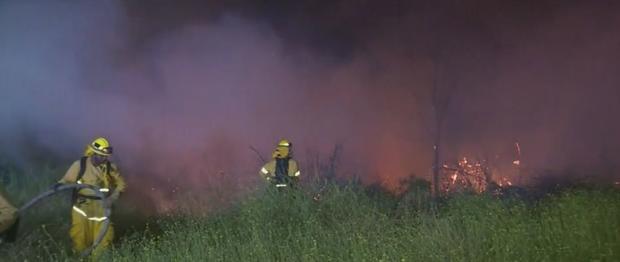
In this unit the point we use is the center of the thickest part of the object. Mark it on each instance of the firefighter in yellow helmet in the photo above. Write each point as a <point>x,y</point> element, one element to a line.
<point>282,171</point>
<point>94,168</point>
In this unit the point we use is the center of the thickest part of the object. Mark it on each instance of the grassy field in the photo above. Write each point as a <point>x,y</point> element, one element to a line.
<point>350,223</point>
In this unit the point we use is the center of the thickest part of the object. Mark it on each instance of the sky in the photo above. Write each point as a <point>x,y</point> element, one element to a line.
<point>183,89</point>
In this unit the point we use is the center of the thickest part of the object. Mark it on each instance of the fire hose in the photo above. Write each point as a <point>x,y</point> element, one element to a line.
<point>107,210</point>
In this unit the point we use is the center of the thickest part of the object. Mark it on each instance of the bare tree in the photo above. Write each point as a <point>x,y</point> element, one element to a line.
<point>441,96</point>
<point>459,44</point>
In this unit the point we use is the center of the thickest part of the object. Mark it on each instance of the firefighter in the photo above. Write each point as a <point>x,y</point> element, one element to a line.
<point>282,171</point>
<point>8,220</point>
<point>87,214</point>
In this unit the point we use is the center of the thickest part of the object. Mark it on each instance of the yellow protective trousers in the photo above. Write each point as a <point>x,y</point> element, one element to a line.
<point>87,218</point>
<point>7,214</point>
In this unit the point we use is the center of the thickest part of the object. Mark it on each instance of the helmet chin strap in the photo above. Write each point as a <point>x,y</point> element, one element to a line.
<point>97,160</point>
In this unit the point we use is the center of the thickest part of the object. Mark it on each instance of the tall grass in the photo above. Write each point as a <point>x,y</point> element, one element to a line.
<point>349,223</point>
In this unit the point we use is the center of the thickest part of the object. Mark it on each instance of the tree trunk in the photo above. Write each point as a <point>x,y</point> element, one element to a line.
<point>436,155</point>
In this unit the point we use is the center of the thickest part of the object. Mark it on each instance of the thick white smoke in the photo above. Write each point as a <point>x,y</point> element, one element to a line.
<point>186,103</point>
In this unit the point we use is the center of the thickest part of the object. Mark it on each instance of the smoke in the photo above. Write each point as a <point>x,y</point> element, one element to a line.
<point>182,98</point>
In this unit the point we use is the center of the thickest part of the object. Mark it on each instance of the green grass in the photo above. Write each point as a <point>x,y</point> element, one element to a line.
<point>352,224</point>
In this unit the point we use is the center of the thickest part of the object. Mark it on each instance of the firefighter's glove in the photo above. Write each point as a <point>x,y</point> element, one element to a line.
<point>11,233</point>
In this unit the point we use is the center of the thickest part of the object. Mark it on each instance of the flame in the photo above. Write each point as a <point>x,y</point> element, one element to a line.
<point>517,161</point>
<point>470,175</point>
<point>503,182</point>
<point>465,175</point>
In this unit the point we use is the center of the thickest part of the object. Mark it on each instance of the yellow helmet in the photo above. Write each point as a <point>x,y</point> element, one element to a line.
<point>99,146</point>
<point>284,143</point>
<point>283,150</point>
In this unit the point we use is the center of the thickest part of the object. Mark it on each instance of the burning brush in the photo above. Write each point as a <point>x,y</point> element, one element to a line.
<point>464,176</point>
<point>471,176</point>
